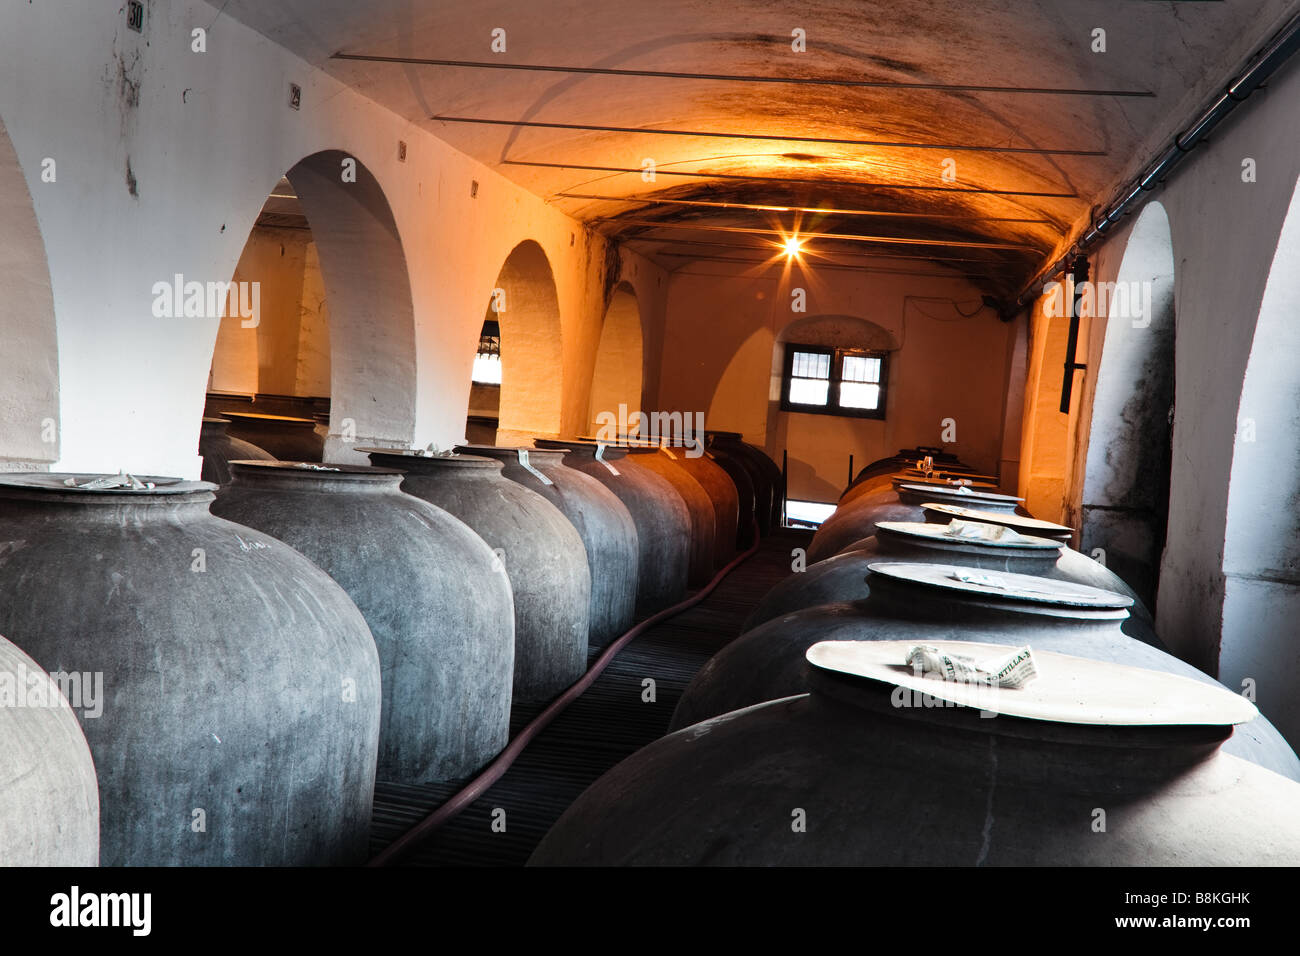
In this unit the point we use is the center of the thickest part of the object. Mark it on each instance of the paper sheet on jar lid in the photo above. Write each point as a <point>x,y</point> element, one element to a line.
<point>1011,670</point>
<point>978,530</point>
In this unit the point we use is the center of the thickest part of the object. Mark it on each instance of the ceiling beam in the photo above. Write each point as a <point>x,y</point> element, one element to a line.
<point>772,263</point>
<point>845,237</point>
<point>766,137</point>
<point>842,82</point>
<point>660,171</point>
<point>825,210</point>
<point>819,254</point>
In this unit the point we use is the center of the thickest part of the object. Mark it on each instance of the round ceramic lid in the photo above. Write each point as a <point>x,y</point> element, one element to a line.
<point>412,454</point>
<point>315,468</point>
<point>1071,690</point>
<point>945,489</point>
<point>967,532</point>
<point>992,517</point>
<point>1001,585</point>
<point>944,482</point>
<point>91,484</point>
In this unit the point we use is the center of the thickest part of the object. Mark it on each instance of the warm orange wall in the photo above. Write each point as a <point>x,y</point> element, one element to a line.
<point>722,328</point>
<point>287,353</point>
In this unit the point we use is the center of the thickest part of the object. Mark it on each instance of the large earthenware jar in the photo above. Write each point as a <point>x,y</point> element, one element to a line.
<point>925,603</point>
<point>767,496</point>
<point>746,497</point>
<point>218,448</point>
<point>695,461</point>
<point>663,524</point>
<point>1071,566</point>
<point>969,544</point>
<point>437,601</point>
<point>857,520</point>
<point>698,504</point>
<point>910,476</point>
<point>49,800</point>
<point>286,437</point>
<point>602,521</point>
<point>241,703</point>
<point>542,553</point>
<point>879,766</point>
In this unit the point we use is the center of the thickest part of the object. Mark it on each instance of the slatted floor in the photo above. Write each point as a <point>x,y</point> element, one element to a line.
<point>609,722</point>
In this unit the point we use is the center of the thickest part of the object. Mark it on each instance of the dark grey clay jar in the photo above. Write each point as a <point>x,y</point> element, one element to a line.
<point>438,603</point>
<point>698,505</point>
<point>49,799</point>
<point>746,498</point>
<point>722,493</point>
<point>842,577</point>
<point>218,448</point>
<point>663,525</point>
<point>602,521</point>
<point>542,553</point>
<point>857,520</point>
<point>917,603</point>
<point>767,495</point>
<point>883,784</point>
<point>286,437</point>
<point>240,722</point>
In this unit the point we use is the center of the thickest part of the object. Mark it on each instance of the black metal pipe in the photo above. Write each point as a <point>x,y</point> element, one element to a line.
<point>1266,61</point>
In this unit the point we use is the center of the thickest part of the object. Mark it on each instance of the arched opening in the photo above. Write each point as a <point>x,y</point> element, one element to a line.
<point>818,443</point>
<point>1125,499</point>
<point>526,308</point>
<point>1261,561</point>
<point>29,359</point>
<point>617,377</point>
<point>333,338</point>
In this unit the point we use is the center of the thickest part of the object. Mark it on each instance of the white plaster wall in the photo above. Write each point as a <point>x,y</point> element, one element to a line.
<point>207,136</point>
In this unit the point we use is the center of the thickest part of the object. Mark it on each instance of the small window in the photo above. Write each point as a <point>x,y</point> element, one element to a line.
<point>830,381</point>
<point>487,363</point>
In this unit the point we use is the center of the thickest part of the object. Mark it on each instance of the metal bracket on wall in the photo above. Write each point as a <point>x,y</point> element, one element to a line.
<point>1072,343</point>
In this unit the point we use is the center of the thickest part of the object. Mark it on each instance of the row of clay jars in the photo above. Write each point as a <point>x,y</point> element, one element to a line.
<point>49,798</point>
<point>240,704</point>
<point>436,599</point>
<point>875,767</point>
<point>913,601</point>
<point>662,521</point>
<point>602,521</point>
<point>769,483</point>
<point>543,555</point>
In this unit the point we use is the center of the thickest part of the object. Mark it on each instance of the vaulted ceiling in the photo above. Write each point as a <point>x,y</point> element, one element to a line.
<point>978,134</point>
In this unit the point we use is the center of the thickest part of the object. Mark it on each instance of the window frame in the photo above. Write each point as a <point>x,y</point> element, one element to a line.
<point>833,406</point>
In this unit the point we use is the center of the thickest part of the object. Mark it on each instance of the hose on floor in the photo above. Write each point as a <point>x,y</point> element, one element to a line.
<point>503,761</point>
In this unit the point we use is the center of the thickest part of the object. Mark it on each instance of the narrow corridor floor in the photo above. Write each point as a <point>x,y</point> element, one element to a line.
<point>606,724</point>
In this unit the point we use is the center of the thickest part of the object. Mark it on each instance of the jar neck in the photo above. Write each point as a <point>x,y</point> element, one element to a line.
<point>311,481</point>
<point>101,508</point>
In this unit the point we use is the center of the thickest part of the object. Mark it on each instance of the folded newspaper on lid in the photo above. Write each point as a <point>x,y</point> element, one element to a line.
<point>1012,670</point>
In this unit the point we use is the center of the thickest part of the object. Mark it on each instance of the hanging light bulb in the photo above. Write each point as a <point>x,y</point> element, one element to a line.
<point>793,246</point>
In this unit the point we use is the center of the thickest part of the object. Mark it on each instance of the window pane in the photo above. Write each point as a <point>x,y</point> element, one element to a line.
<point>487,369</point>
<point>808,391</point>
<point>811,365</point>
<point>858,395</point>
<point>858,368</point>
